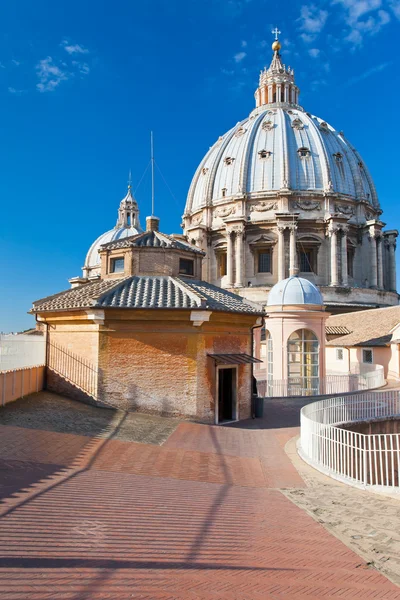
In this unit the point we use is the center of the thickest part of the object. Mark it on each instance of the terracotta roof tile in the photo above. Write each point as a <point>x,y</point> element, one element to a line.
<point>366,327</point>
<point>148,292</point>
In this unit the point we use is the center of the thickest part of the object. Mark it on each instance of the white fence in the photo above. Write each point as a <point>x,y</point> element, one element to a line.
<point>366,460</point>
<point>314,386</point>
<point>20,351</point>
<point>20,382</point>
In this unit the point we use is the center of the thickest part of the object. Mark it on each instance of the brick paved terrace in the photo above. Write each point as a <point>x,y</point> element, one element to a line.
<point>98,504</point>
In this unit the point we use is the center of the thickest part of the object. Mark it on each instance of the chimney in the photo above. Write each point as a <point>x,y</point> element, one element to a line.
<point>152,223</point>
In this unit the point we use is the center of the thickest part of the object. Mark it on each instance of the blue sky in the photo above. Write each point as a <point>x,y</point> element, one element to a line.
<point>83,83</point>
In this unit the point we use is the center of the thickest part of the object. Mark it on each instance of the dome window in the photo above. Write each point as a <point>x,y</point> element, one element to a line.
<point>338,157</point>
<point>267,125</point>
<point>228,160</point>
<point>360,164</point>
<point>204,170</point>
<point>264,153</point>
<point>324,126</point>
<point>224,190</point>
<point>240,131</point>
<point>297,124</point>
<point>304,152</point>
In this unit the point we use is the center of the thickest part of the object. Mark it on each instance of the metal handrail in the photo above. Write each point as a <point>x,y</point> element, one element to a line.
<point>328,443</point>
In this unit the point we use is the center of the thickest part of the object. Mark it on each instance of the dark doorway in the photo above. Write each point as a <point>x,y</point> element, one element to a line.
<point>226,394</point>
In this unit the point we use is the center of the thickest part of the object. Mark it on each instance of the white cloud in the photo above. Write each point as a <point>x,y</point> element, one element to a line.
<point>357,16</point>
<point>308,38</point>
<point>15,62</point>
<point>395,7</point>
<point>239,57</point>
<point>368,73</point>
<point>357,8</point>
<point>243,44</point>
<point>314,52</point>
<point>81,67</point>
<point>50,75</point>
<point>13,90</point>
<point>74,48</point>
<point>312,19</point>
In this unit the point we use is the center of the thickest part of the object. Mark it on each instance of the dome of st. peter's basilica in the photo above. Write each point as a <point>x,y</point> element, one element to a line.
<point>283,193</point>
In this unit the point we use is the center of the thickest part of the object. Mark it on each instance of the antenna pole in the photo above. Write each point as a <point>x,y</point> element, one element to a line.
<point>152,174</point>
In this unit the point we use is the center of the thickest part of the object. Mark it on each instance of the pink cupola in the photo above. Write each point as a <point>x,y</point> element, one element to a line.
<point>295,338</point>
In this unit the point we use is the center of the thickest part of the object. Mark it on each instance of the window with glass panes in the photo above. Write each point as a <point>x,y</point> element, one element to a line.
<point>306,261</point>
<point>303,363</point>
<point>264,261</point>
<point>117,265</point>
<point>186,266</point>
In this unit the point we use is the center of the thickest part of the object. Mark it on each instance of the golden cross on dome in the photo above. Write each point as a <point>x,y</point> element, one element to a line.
<point>276,32</point>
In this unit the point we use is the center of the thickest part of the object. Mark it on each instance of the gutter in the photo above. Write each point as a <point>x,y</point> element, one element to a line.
<point>46,358</point>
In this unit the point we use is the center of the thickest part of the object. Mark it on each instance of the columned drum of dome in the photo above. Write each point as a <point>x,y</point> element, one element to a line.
<point>282,193</point>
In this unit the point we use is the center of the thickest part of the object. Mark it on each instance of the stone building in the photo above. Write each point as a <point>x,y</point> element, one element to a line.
<point>144,332</point>
<point>284,192</point>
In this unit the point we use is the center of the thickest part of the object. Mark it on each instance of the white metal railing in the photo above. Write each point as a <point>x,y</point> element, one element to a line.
<point>315,386</point>
<point>360,459</point>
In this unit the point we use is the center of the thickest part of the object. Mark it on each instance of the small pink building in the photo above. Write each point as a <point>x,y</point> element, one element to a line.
<point>294,339</point>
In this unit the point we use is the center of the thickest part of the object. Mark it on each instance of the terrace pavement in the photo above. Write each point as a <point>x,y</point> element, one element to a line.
<point>128,506</point>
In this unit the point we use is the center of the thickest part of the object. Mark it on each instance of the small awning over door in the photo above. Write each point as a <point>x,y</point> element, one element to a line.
<point>234,359</point>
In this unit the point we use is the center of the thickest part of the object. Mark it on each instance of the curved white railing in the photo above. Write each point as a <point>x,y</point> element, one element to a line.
<point>333,383</point>
<point>364,460</point>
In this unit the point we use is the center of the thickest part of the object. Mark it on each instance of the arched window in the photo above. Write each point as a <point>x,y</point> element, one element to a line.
<point>303,363</point>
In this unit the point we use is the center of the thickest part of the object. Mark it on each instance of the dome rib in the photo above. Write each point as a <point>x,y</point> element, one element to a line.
<point>213,172</point>
<point>248,153</point>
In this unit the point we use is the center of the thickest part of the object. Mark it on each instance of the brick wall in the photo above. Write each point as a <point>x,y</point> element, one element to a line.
<point>161,366</point>
<point>147,360</point>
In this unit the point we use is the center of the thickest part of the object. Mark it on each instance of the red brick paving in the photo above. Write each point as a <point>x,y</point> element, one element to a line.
<point>196,519</point>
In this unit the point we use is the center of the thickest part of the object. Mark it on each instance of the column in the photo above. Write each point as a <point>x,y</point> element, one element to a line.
<point>270,95</point>
<point>286,93</point>
<point>292,251</point>
<point>334,262</point>
<point>380,262</point>
<point>281,253</point>
<point>278,92</point>
<point>392,265</point>
<point>345,279</point>
<point>229,259</point>
<point>239,258</point>
<point>264,95</point>
<point>373,260</point>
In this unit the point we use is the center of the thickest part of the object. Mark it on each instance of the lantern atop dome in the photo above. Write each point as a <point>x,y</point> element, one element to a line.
<point>277,85</point>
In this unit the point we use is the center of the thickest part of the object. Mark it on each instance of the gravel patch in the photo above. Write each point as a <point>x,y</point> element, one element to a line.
<point>367,522</point>
<point>51,412</point>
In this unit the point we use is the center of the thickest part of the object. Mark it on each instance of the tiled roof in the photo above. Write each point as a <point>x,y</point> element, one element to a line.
<point>152,239</point>
<point>147,292</point>
<point>83,296</point>
<point>365,327</point>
